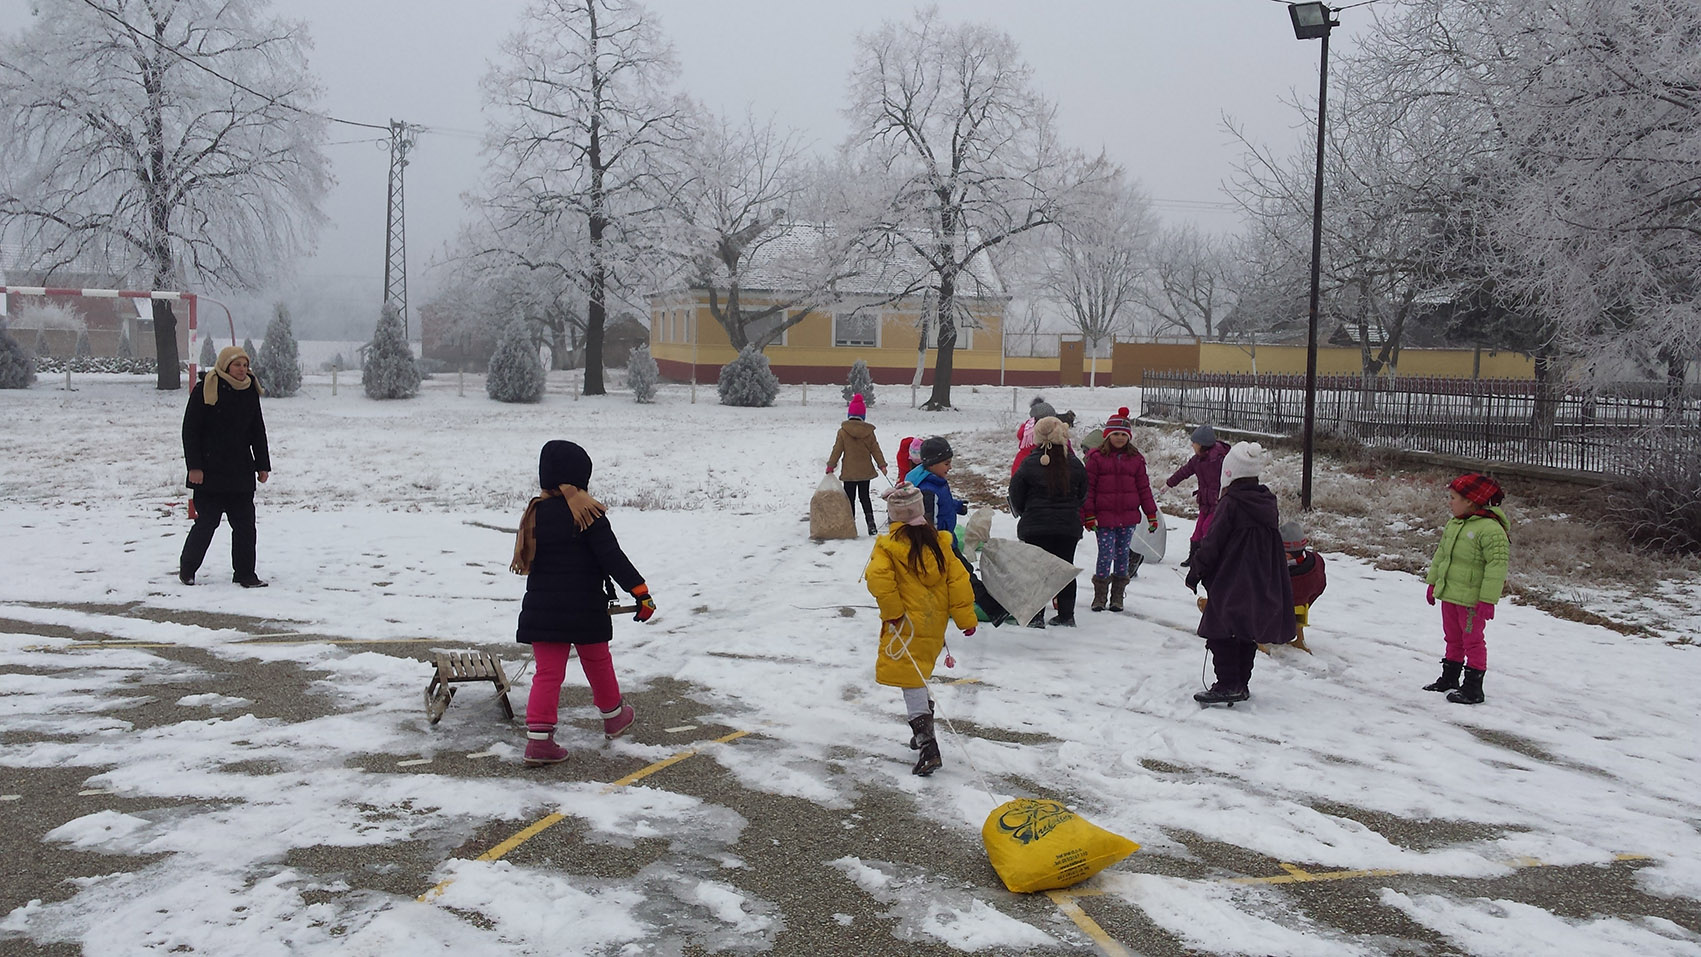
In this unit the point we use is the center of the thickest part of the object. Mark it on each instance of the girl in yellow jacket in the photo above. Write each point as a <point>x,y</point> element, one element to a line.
<point>920,586</point>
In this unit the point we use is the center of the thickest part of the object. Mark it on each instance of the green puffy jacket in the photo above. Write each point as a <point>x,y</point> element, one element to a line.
<point>1470,563</point>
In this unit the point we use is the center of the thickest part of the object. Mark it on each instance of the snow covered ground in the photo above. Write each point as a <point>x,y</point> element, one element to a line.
<point>384,520</point>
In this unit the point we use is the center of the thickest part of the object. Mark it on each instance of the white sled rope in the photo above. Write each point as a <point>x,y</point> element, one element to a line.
<point>1023,577</point>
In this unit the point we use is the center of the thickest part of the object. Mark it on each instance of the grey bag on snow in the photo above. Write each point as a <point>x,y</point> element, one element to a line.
<point>1023,577</point>
<point>830,514</point>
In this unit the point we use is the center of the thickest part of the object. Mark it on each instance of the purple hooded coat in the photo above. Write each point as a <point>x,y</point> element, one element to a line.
<point>1244,568</point>
<point>1207,466</point>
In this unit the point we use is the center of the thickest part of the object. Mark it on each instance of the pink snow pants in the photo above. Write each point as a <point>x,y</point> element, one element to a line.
<point>551,658</point>
<point>1463,629</point>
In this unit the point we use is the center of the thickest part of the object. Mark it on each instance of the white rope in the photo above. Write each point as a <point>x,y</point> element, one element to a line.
<point>903,644</point>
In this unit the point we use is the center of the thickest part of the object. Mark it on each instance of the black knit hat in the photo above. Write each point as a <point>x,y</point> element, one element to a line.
<point>563,463</point>
<point>934,450</point>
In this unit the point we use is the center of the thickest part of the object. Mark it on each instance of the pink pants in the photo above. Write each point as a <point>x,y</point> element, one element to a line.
<point>551,658</point>
<point>1463,629</point>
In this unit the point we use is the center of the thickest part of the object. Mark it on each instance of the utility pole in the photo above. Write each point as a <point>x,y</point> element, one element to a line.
<point>395,224</point>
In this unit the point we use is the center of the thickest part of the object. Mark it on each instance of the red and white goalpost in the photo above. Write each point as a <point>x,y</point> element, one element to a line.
<point>186,297</point>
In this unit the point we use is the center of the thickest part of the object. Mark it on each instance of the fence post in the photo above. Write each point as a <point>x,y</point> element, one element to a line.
<point>333,380</point>
<point>1012,398</point>
<point>806,393</point>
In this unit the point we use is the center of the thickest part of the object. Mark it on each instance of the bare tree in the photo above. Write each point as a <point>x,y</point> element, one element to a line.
<point>1186,289</point>
<point>520,273</point>
<point>1095,268</point>
<point>970,152</point>
<point>167,141</point>
<point>581,140</point>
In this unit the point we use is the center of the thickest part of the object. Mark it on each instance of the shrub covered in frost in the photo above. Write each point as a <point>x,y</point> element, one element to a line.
<point>125,349</point>
<point>642,374</point>
<point>861,381</point>
<point>17,366</point>
<point>389,371</point>
<point>748,381</point>
<point>41,346</point>
<point>83,349</point>
<point>209,354</point>
<point>279,364</point>
<point>516,370</point>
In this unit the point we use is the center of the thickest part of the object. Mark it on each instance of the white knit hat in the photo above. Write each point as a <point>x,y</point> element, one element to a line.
<point>1244,460</point>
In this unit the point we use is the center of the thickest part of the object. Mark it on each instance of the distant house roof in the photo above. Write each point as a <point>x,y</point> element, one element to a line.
<point>786,254</point>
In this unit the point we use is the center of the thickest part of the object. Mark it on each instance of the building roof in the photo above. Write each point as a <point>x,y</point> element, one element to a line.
<point>787,256</point>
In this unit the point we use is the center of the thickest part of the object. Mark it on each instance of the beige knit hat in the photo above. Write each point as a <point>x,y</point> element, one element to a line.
<point>1049,431</point>
<point>904,504</point>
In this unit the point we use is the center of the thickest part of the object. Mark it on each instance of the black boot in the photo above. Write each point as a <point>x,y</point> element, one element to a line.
<point>1189,559</point>
<point>1220,693</point>
<point>928,762</point>
<point>1134,560</point>
<point>1449,676</point>
<point>1470,689</point>
<point>915,739</point>
<point>1038,621</point>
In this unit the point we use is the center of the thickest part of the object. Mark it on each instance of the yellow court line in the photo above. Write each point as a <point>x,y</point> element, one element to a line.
<point>1065,902</point>
<point>548,821</point>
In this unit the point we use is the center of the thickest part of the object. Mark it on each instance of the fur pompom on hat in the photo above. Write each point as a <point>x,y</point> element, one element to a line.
<point>1244,460</point>
<point>904,504</point>
<point>1205,436</point>
<point>1293,537</point>
<point>1118,423</point>
<point>858,409</point>
<point>1049,431</point>
<point>1483,491</point>
<point>1038,409</point>
<point>221,372</point>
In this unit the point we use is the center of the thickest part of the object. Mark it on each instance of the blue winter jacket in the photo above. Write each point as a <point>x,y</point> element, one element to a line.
<point>940,506</point>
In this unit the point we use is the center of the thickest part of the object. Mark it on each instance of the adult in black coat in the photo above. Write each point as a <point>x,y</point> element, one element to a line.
<point>224,446</point>
<point>1241,563</point>
<point>1046,495</point>
<point>568,553</point>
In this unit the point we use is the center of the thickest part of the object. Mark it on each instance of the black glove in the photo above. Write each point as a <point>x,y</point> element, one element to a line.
<point>1193,582</point>
<point>646,608</point>
<point>962,508</point>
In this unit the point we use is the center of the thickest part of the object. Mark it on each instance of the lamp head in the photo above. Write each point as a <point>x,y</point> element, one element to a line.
<point>1310,20</point>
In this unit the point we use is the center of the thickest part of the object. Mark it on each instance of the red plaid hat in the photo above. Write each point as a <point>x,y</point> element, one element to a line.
<point>1480,489</point>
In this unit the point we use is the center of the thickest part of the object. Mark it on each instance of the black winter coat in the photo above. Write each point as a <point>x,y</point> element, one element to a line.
<point>567,590</point>
<point>1040,512</point>
<point>226,441</point>
<point>1242,564</point>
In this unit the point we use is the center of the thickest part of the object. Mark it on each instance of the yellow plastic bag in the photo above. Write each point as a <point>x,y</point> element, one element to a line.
<point>1039,845</point>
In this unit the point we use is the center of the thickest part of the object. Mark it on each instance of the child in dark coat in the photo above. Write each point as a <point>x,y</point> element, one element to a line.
<point>1207,466</point>
<point>1046,496</point>
<point>568,553</point>
<point>1118,493</point>
<point>1242,564</point>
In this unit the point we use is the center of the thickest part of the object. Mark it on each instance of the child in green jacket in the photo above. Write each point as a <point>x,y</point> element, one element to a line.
<point>1466,575</point>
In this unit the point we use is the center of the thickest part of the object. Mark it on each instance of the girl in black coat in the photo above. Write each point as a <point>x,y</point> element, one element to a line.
<point>568,553</point>
<point>1244,567</point>
<point>224,446</point>
<point>1046,494</point>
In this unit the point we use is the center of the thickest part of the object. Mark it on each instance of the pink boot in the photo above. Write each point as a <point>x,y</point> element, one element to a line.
<point>615,723</point>
<point>541,748</point>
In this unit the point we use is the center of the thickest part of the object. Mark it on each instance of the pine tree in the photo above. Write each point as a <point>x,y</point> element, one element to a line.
<point>83,349</point>
<point>389,371</point>
<point>516,370</point>
<point>642,374</point>
<point>861,380</point>
<point>209,355</point>
<point>280,370</point>
<point>747,380</point>
<point>253,353</point>
<point>125,349</point>
<point>17,366</point>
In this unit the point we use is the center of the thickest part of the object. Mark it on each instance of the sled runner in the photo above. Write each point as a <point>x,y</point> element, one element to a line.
<point>454,667</point>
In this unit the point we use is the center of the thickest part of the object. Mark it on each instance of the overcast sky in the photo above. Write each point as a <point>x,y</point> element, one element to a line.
<point>1149,82</point>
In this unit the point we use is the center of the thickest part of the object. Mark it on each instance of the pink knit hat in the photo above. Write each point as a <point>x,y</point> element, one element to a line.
<point>858,409</point>
<point>904,504</point>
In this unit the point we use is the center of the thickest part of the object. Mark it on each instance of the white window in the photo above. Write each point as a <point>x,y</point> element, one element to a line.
<point>759,328</point>
<point>965,336</point>
<point>856,329</point>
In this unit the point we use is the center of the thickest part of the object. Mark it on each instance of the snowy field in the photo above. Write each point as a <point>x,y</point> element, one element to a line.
<point>385,520</point>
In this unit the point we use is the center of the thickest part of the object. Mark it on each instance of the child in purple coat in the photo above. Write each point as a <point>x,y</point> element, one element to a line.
<point>1207,466</point>
<point>1118,491</point>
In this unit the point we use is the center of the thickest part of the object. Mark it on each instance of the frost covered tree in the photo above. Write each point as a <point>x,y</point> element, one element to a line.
<point>17,366</point>
<point>1095,265</point>
<point>42,349</point>
<point>582,126</point>
<point>642,374</point>
<point>125,349</point>
<point>970,154</point>
<point>389,371</point>
<point>209,354</point>
<point>279,363</point>
<point>173,140</point>
<point>83,349</point>
<point>860,382</point>
<point>748,381</point>
<point>1183,288</point>
<point>516,371</point>
<point>253,351</point>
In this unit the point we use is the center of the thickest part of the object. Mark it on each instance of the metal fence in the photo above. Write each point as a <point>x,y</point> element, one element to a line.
<point>1510,421</point>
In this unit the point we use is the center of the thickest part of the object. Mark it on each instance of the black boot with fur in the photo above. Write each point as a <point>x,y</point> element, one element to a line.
<point>1470,688</point>
<point>1449,676</point>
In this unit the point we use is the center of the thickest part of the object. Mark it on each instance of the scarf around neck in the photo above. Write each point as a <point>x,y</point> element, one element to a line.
<point>585,510</point>
<point>210,387</point>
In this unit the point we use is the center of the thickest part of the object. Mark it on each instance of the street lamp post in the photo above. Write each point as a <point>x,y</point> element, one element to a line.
<point>1311,22</point>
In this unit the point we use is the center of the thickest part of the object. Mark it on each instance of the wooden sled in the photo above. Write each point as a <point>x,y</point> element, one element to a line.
<point>452,668</point>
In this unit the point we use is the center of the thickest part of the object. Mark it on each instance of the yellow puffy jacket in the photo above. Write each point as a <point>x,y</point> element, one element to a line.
<point>927,600</point>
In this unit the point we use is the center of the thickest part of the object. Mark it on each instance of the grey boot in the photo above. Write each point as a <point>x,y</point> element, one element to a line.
<point>1470,689</point>
<point>1100,585</point>
<point>1118,584</point>
<point>1449,676</point>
